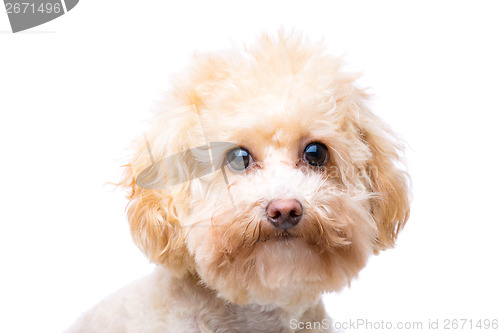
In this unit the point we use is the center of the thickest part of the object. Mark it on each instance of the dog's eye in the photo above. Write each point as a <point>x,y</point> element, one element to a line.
<point>316,154</point>
<point>238,159</point>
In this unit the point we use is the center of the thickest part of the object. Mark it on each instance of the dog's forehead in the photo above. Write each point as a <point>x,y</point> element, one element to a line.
<point>269,123</point>
<point>269,109</point>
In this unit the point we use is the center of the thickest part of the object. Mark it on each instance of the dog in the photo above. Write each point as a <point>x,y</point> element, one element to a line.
<point>264,181</point>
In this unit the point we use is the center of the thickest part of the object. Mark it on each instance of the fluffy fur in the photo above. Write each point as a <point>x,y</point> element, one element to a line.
<point>222,267</point>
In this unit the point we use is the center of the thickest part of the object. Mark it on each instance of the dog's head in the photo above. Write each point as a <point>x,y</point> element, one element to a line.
<point>307,185</point>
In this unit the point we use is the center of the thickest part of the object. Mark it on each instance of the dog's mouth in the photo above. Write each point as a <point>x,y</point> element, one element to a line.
<point>284,235</point>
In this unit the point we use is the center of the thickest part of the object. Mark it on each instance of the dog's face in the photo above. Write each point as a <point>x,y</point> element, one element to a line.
<point>306,189</point>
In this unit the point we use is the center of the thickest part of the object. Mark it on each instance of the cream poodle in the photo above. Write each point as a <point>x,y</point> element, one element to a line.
<point>263,181</point>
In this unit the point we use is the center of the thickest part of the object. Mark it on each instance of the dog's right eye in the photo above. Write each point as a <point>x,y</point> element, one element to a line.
<point>238,159</point>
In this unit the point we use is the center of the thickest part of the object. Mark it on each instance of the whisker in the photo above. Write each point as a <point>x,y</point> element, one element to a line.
<point>258,237</point>
<point>320,186</point>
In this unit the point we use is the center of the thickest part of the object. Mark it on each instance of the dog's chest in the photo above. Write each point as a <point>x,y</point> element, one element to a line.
<point>243,319</point>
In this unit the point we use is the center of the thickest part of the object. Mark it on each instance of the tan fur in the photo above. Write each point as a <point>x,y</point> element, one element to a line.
<point>212,239</point>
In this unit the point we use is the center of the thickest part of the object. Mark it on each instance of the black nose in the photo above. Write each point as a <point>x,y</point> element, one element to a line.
<point>284,213</point>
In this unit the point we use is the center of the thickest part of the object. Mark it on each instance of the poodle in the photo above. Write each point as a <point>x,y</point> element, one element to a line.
<point>262,182</point>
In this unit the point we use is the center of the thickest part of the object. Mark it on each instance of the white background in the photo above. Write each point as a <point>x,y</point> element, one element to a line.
<point>75,91</point>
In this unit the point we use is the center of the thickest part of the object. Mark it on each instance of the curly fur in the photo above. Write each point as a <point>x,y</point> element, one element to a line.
<point>221,266</point>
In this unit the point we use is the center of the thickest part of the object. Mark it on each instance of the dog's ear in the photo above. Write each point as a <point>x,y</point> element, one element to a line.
<point>388,180</point>
<point>154,225</point>
<point>152,211</point>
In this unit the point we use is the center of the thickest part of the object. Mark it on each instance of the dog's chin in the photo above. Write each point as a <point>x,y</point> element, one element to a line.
<point>280,267</point>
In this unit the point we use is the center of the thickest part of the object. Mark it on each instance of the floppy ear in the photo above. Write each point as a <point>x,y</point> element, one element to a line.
<point>388,181</point>
<point>152,214</point>
<point>154,225</point>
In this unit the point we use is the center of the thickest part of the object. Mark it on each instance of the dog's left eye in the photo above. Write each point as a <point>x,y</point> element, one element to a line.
<point>316,154</point>
<point>238,159</point>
